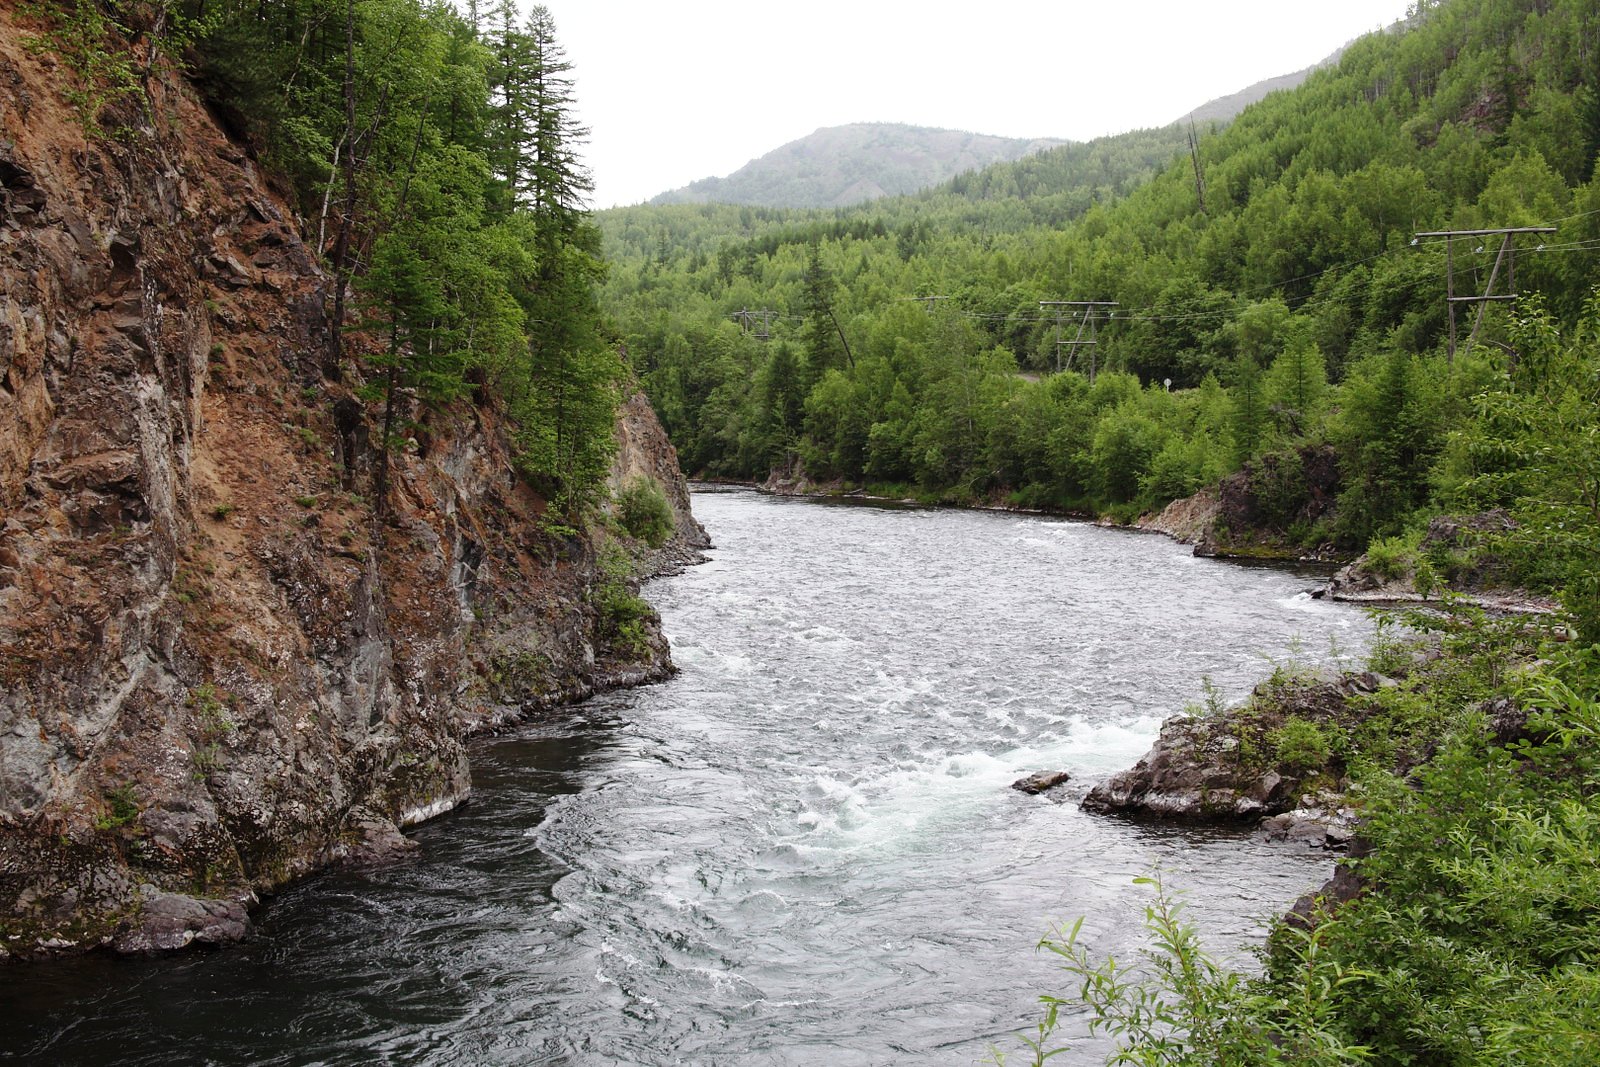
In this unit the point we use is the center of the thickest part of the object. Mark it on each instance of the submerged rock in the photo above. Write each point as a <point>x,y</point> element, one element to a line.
<point>1040,781</point>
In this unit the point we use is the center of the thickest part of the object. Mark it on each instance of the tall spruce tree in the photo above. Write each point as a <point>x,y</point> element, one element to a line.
<point>821,338</point>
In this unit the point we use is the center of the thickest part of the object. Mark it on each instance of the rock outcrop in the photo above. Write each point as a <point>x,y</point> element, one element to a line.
<point>217,672</point>
<point>1456,554</point>
<point>1248,763</point>
<point>1261,511</point>
<point>1187,521</point>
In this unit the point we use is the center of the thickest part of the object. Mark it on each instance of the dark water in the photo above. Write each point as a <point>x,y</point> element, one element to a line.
<point>801,851</point>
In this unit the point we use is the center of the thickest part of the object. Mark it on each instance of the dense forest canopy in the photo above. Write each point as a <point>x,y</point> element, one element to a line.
<point>1271,277</point>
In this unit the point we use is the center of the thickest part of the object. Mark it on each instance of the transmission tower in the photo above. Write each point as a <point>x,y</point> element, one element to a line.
<point>1087,313</point>
<point>1507,256</point>
<point>747,318</point>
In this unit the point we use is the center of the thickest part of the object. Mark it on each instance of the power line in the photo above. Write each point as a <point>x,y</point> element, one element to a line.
<point>1506,255</point>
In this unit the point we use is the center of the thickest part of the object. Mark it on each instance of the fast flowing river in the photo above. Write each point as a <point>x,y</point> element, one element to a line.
<point>802,850</point>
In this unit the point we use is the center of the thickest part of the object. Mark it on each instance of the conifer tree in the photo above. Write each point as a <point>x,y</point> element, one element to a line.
<point>1249,408</point>
<point>821,337</point>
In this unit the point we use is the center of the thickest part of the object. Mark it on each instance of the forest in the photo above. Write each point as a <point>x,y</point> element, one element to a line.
<point>1271,296</point>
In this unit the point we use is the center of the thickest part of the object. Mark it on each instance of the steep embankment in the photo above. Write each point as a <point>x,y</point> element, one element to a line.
<point>217,671</point>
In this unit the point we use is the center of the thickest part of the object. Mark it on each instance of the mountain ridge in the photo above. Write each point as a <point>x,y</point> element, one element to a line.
<point>838,166</point>
<point>858,162</point>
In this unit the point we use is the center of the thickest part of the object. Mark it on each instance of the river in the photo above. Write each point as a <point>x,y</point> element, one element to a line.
<point>802,850</point>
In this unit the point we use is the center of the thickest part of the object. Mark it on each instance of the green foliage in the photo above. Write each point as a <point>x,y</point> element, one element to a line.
<point>211,711</point>
<point>1184,1009</point>
<point>109,48</point>
<point>1535,448</point>
<point>437,159</point>
<point>624,617</point>
<point>1300,744</point>
<point>1475,942</point>
<point>1298,287</point>
<point>643,511</point>
<point>1391,558</point>
<point>122,808</point>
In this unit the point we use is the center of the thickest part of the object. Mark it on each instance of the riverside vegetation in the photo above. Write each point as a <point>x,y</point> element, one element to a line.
<point>1279,330</point>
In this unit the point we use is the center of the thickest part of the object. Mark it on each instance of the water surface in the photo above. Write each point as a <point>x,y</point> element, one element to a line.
<point>800,851</point>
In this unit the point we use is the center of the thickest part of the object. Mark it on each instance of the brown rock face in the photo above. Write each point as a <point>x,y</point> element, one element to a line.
<point>216,671</point>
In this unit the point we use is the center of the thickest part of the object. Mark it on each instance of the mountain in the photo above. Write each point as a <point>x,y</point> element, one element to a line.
<point>1224,108</point>
<point>841,165</point>
<point>838,166</point>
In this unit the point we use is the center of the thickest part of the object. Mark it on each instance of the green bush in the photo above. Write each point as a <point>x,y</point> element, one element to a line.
<point>624,616</point>
<point>1301,744</point>
<point>1393,557</point>
<point>643,511</point>
<point>1182,1008</point>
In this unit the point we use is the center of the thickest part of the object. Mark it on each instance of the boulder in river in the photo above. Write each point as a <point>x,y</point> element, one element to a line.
<point>1040,781</point>
<point>1321,820</point>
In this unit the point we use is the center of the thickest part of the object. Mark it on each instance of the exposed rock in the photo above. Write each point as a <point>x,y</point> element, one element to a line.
<point>1467,566</point>
<point>791,479</point>
<point>1345,886</point>
<point>1040,781</point>
<point>1192,773</point>
<point>1250,514</point>
<point>217,672</point>
<point>1186,521</point>
<point>643,450</point>
<point>167,921</point>
<point>1223,767</point>
<point>1322,820</point>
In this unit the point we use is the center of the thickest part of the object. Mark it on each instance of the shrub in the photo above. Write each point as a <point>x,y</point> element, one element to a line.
<point>623,614</point>
<point>643,511</point>
<point>1184,1009</point>
<point>1393,557</point>
<point>122,808</point>
<point>1301,744</point>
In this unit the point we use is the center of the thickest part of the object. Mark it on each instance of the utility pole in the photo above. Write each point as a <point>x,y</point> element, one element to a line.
<point>746,318</point>
<point>1088,313</point>
<point>1506,255</point>
<point>1199,174</point>
<point>928,300</point>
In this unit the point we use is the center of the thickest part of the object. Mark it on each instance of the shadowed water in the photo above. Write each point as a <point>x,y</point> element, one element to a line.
<point>802,850</point>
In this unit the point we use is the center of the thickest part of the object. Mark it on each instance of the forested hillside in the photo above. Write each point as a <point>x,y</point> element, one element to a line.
<point>1272,277</point>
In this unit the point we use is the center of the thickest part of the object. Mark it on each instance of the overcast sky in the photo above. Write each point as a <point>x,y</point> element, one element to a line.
<point>674,91</point>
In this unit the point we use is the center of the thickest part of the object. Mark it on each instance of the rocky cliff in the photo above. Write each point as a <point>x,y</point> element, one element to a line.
<point>218,671</point>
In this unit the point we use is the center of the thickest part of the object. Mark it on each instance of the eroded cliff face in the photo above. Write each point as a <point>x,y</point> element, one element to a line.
<point>217,671</point>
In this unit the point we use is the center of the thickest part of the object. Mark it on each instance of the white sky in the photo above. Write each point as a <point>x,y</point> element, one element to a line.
<point>675,91</point>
